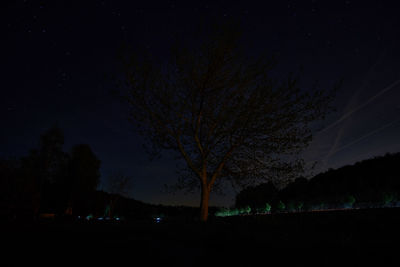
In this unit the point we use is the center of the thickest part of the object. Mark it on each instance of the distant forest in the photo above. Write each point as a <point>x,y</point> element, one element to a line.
<point>370,183</point>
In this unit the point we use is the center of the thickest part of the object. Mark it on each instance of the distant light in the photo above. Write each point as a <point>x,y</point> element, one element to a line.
<point>100,218</point>
<point>117,218</point>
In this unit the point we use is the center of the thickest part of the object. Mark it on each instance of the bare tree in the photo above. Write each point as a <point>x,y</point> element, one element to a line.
<point>222,112</point>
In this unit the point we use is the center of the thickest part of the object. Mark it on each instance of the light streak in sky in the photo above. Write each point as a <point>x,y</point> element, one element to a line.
<point>365,136</point>
<point>348,114</point>
<point>364,84</point>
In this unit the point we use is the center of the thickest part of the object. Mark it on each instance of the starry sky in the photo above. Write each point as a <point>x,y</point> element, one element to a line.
<point>58,57</point>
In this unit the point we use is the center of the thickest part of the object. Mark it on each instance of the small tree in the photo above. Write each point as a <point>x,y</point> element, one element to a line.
<point>222,112</point>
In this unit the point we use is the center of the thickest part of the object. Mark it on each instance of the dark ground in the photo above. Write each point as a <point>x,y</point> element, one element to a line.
<point>353,237</point>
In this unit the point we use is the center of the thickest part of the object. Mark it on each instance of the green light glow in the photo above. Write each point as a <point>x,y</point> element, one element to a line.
<point>281,206</point>
<point>349,201</point>
<point>388,198</point>
<point>267,208</point>
<point>224,212</point>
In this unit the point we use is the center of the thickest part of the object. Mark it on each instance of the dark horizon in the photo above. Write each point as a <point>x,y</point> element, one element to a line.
<point>59,57</point>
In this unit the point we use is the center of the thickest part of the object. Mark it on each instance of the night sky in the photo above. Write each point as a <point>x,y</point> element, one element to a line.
<point>58,57</point>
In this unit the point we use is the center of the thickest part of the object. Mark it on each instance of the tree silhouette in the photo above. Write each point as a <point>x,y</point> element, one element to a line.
<point>83,176</point>
<point>13,191</point>
<point>371,182</point>
<point>257,196</point>
<point>222,111</point>
<point>47,165</point>
<point>48,179</point>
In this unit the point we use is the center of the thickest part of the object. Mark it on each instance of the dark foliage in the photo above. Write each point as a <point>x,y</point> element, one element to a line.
<point>256,197</point>
<point>370,182</point>
<point>48,180</point>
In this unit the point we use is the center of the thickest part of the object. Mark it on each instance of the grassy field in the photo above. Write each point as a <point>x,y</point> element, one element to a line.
<point>323,238</point>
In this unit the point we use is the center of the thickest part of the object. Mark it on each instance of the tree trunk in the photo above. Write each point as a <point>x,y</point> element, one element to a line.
<point>69,209</point>
<point>205,195</point>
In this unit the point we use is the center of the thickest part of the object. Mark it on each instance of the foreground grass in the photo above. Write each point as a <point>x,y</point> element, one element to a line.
<point>326,238</point>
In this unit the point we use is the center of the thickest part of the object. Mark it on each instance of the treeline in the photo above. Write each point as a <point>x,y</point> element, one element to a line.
<point>49,180</point>
<point>372,182</point>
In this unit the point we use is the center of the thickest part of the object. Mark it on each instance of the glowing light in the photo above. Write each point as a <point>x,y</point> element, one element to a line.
<point>267,208</point>
<point>389,200</point>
